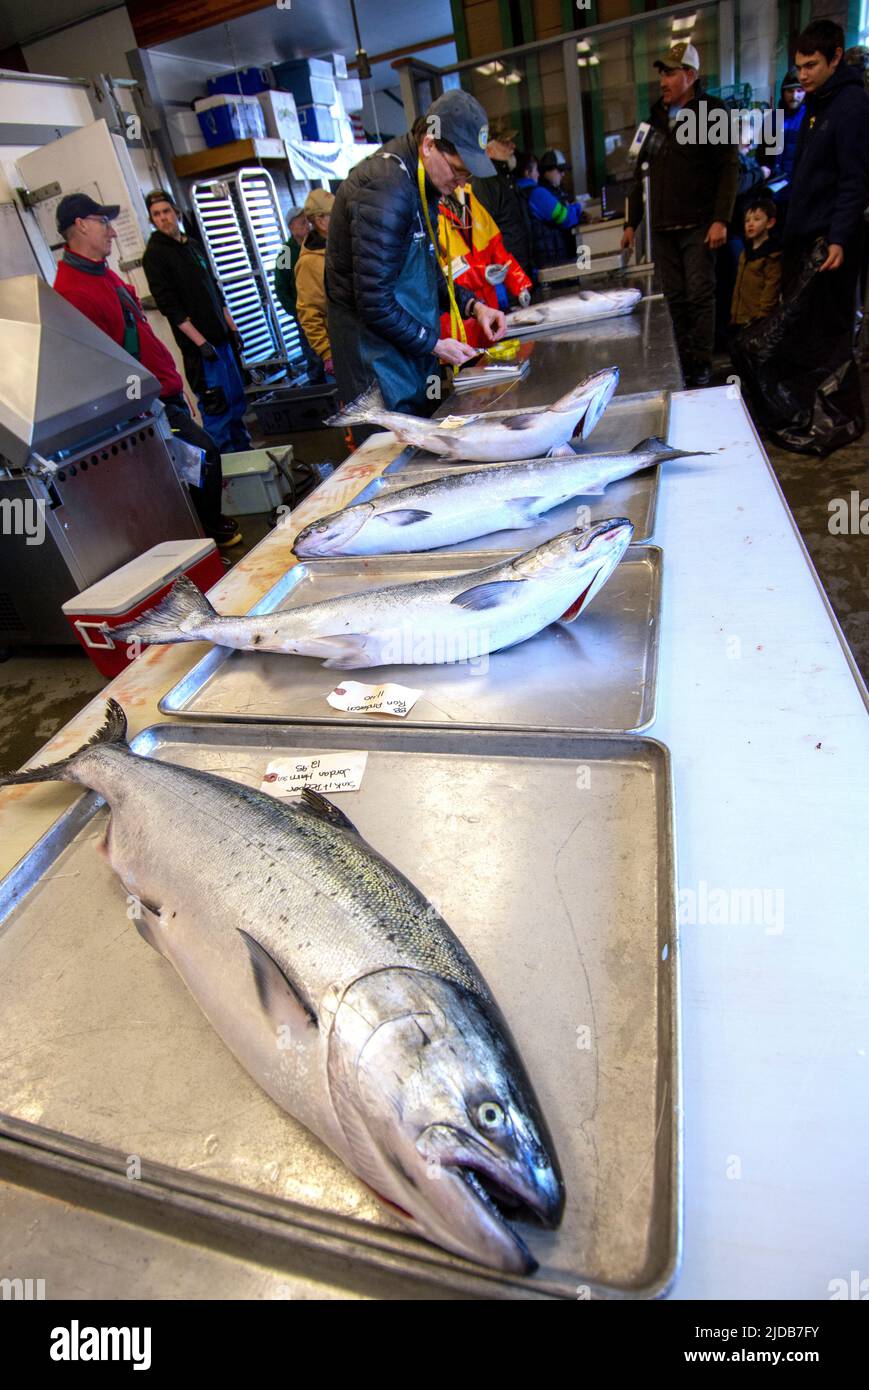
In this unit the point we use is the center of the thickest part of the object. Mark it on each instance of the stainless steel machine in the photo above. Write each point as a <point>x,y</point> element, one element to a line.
<point>87,480</point>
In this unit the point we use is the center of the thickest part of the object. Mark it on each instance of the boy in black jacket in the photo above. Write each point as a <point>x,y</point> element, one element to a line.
<point>829,190</point>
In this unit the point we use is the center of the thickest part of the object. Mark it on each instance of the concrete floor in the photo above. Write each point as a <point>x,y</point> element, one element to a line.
<point>41,688</point>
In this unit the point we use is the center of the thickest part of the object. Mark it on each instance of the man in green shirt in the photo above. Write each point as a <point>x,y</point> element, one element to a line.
<point>285,286</point>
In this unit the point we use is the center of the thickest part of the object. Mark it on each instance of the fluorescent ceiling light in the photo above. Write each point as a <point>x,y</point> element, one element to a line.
<point>594,61</point>
<point>582,62</point>
<point>489,69</point>
<point>583,46</point>
<point>511,79</point>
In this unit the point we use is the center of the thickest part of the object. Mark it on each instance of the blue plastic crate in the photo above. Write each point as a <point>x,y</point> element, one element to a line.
<point>316,123</point>
<point>249,82</point>
<point>311,81</point>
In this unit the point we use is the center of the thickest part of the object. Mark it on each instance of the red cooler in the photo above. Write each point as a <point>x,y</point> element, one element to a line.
<point>132,590</point>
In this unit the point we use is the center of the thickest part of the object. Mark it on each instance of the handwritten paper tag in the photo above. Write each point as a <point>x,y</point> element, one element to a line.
<point>329,772</point>
<point>356,698</point>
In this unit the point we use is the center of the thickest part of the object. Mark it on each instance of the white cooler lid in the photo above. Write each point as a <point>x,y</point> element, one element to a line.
<point>133,582</point>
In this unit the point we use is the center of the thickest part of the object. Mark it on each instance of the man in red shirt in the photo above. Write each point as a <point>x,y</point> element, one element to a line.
<point>84,278</point>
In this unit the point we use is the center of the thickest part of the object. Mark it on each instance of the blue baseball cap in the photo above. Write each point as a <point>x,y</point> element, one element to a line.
<point>76,205</point>
<point>464,123</point>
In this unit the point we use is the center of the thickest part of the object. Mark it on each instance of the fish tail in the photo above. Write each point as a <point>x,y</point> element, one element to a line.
<point>662,450</point>
<point>365,407</point>
<point>164,623</point>
<point>114,730</point>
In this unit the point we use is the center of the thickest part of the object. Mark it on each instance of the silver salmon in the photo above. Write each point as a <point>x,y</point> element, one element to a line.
<point>462,505</point>
<point>584,307</point>
<point>494,436</point>
<point>287,927</point>
<point>430,622</point>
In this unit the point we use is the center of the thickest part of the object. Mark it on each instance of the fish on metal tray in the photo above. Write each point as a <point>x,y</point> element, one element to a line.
<point>584,307</point>
<point>285,924</point>
<point>491,436</point>
<point>428,622</point>
<point>462,505</point>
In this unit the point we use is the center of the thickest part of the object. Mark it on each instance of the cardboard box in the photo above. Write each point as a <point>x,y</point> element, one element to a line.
<point>282,118</point>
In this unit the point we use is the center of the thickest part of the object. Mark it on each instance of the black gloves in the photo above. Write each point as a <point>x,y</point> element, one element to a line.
<point>209,351</point>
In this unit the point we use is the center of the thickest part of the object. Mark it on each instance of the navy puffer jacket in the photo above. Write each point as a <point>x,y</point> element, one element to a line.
<point>829,187</point>
<point>376,214</point>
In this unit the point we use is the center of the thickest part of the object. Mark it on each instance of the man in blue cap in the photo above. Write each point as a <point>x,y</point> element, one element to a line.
<point>385,288</point>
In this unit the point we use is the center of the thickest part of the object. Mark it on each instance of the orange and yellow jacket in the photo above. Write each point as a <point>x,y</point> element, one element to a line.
<point>471,243</point>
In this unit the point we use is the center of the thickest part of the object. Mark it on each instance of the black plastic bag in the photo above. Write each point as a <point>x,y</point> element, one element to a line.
<point>803,390</point>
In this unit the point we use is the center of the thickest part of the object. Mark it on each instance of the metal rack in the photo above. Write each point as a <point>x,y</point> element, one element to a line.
<point>243,230</point>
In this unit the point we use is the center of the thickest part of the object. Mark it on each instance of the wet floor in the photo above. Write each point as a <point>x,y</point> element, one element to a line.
<point>41,688</point>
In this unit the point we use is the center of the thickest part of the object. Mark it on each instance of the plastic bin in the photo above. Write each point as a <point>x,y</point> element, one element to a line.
<point>248,82</point>
<point>253,482</point>
<point>316,123</point>
<point>224,119</point>
<point>299,408</point>
<point>311,80</point>
<point>133,589</point>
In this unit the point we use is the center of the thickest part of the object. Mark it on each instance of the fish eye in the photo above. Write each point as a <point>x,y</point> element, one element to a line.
<point>490,1115</point>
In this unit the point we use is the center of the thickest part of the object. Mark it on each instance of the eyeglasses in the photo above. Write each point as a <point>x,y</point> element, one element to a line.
<point>95,217</point>
<point>456,166</point>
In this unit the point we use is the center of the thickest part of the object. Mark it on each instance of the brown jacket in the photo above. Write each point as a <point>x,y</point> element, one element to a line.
<point>311,293</point>
<point>758,284</point>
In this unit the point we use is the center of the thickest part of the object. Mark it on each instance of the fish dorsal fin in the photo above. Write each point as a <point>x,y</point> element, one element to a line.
<point>404,516</point>
<point>653,445</point>
<point>281,1000</point>
<point>319,805</point>
<point>488,595</point>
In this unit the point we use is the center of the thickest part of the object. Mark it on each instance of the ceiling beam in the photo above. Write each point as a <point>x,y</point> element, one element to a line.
<point>154,24</point>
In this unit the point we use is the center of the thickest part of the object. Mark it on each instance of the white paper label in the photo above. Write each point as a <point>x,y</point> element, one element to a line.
<point>459,266</point>
<point>356,698</point>
<point>330,772</point>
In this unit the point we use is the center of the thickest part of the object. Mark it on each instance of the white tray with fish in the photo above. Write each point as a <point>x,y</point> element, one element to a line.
<point>626,421</point>
<point>586,306</point>
<point>552,860</point>
<point>597,673</point>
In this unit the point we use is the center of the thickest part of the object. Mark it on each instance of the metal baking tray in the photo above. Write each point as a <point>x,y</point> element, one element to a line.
<point>553,860</point>
<point>635,497</point>
<point>626,421</point>
<point>598,674</point>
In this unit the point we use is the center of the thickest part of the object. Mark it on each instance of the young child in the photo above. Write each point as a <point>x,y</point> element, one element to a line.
<point>758,276</point>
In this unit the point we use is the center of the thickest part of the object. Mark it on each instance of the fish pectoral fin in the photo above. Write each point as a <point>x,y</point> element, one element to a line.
<point>346,651</point>
<point>524,511</point>
<point>561,451</point>
<point>149,923</point>
<point>404,516</point>
<point>280,999</point>
<point>319,805</point>
<point>489,595</point>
